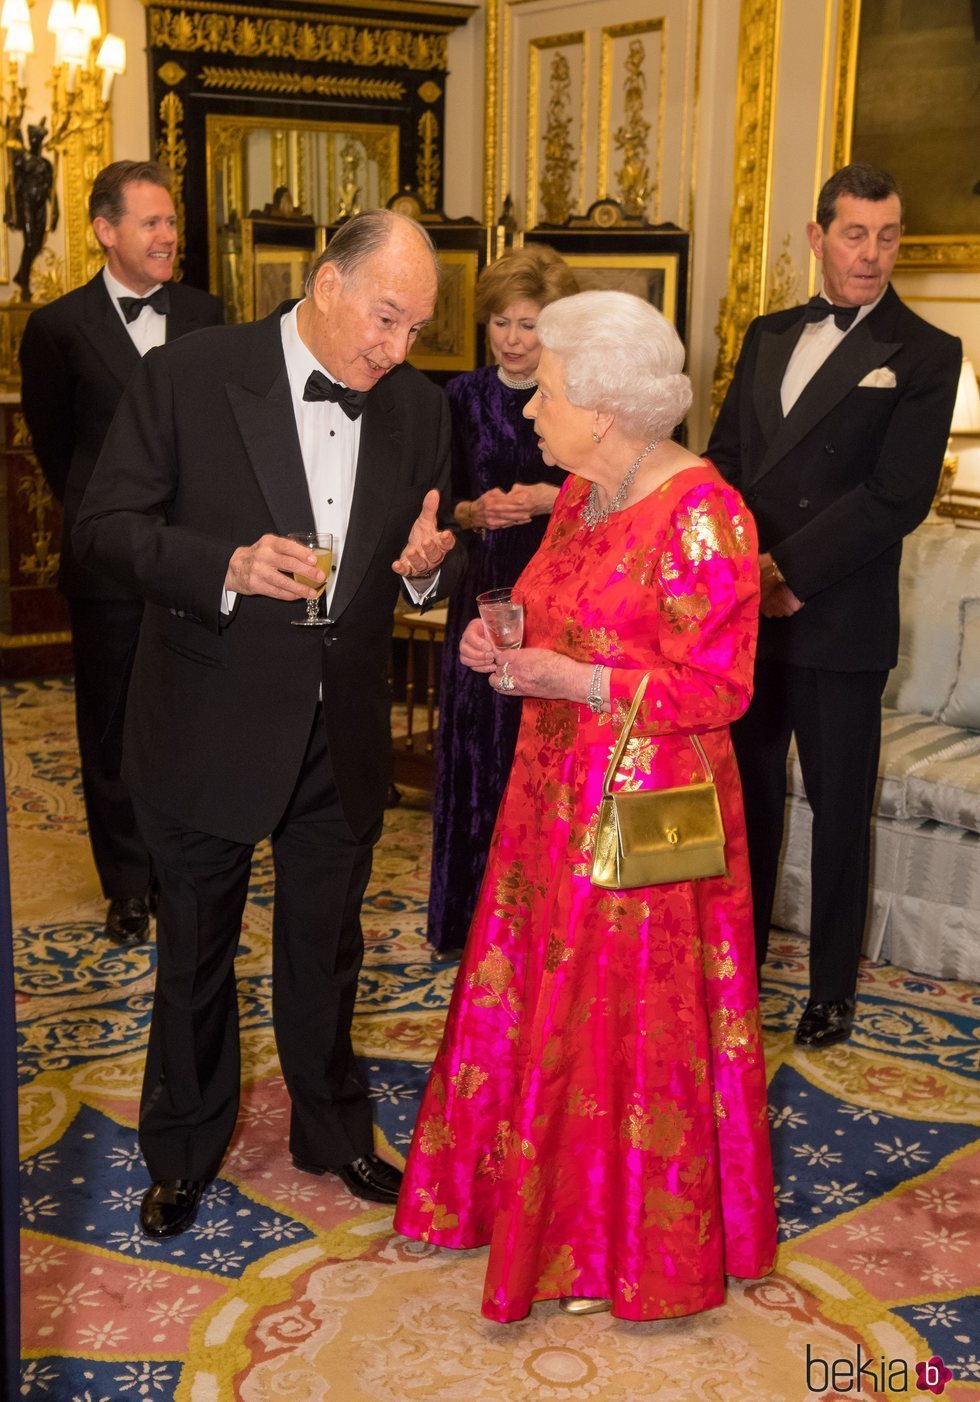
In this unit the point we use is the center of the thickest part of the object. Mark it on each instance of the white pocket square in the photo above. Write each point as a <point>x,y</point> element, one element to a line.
<point>882,378</point>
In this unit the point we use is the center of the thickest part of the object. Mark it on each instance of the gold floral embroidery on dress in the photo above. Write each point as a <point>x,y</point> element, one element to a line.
<point>707,531</point>
<point>583,1103</point>
<point>495,972</point>
<point>669,568</point>
<point>556,723</point>
<point>558,1276</point>
<point>700,1068</point>
<point>531,1191</point>
<point>442,1218</point>
<point>491,1165</point>
<point>665,1209</point>
<point>468,1080</point>
<point>581,839</point>
<point>684,612</point>
<point>514,894</point>
<point>661,1133</point>
<point>434,1135</point>
<point>733,1032</point>
<point>637,759</point>
<point>625,913</point>
<point>718,1105</point>
<point>588,644</point>
<point>628,1288</point>
<point>717,961</point>
<point>558,952</point>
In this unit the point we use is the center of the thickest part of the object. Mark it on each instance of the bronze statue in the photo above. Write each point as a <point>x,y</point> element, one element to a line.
<point>30,191</point>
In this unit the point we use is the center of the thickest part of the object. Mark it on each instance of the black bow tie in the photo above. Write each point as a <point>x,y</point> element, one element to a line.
<point>352,401</point>
<point>818,307</point>
<point>158,300</point>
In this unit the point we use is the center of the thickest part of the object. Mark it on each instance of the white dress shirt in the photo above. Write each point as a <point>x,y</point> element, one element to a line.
<point>150,328</point>
<point>818,340</point>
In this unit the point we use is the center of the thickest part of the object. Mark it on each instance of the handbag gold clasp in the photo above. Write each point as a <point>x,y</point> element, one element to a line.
<point>672,837</point>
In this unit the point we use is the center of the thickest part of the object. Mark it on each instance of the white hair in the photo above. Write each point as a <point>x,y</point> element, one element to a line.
<point>620,356</point>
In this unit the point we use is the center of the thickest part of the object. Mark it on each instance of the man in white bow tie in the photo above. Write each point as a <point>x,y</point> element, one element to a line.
<point>833,428</point>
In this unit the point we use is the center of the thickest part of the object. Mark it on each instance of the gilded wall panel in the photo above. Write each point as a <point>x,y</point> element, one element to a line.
<point>622,117</point>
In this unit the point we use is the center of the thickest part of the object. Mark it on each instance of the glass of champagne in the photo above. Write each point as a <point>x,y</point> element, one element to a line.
<point>503,618</point>
<point>320,543</point>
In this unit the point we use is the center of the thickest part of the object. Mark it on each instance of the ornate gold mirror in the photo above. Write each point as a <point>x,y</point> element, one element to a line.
<point>329,169</point>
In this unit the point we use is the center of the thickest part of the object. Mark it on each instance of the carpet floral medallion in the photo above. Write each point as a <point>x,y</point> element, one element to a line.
<point>288,1288</point>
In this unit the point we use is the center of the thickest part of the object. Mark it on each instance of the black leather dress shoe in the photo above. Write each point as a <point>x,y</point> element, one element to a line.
<point>170,1206</point>
<point>451,955</point>
<point>824,1024</point>
<point>368,1177</point>
<point>127,921</point>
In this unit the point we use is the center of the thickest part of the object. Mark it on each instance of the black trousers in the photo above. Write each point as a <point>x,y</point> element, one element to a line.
<point>191,1083</point>
<point>104,634</point>
<point>836,717</point>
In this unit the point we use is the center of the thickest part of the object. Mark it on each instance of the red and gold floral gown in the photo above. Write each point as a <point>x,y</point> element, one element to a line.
<point>597,1109</point>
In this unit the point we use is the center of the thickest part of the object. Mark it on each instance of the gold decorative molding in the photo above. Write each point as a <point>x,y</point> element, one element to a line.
<point>171,74</point>
<point>363,46</point>
<point>631,138</point>
<point>555,187</point>
<point>848,23</point>
<point>784,281</point>
<point>40,567</point>
<point>758,49</point>
<point>21,436</point>
<point>430,92</point>
<point>48,277</point>
<point>172,151</point>
<point>83,154</point>
<point>940,252</point>
<point>427,165</point>
<point>287,81</point>
<point>492,99</point>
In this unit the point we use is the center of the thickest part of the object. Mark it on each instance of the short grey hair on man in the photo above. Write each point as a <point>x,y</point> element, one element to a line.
<point>620,356</point>
<point>361,236</point>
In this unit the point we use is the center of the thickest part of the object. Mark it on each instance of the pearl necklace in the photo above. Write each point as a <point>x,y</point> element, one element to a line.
<point>511,383</point>
<point>595,515</point>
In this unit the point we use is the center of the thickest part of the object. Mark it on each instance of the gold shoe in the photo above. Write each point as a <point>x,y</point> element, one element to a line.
<point>582,1304</point>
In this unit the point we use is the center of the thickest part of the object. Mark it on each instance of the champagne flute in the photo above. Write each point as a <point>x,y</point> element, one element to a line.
<point>503,618</point>
<point>320,543</point>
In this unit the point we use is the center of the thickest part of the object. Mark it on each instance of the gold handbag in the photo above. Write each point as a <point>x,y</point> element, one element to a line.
<point>652,836</point>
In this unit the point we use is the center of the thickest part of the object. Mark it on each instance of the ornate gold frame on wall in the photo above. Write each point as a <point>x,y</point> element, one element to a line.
<point>937,252</point>
<point>755,106</point>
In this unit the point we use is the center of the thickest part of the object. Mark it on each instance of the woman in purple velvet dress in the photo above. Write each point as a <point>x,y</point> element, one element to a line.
<point>503,494</point>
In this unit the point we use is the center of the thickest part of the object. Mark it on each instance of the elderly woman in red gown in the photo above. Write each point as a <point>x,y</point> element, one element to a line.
<point>597,1110</point>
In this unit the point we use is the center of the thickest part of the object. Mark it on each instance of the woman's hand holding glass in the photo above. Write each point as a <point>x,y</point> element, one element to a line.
<point>535,671</point>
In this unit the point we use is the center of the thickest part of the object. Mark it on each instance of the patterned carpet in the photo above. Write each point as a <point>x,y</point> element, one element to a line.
<point>290,1289</point>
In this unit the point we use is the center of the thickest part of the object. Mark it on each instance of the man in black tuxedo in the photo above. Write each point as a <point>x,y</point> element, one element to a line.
<point>833,429</point>
<point>238,724</point>
<point>77,356</point>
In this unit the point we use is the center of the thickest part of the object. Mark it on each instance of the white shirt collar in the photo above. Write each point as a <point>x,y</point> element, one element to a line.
<point>864,311</point>
<point>117,289</point>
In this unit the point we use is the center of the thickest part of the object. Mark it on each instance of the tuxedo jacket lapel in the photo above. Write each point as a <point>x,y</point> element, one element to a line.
<point>103,328</point>
<point>263,408</point>
<point>857,354</point>
<point>379,452</point>
<point>775,349</point>
<point>182,318</point>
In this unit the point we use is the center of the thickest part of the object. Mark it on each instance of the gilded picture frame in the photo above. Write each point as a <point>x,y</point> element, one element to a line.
<point>448,343</point>
<point>877,120</point>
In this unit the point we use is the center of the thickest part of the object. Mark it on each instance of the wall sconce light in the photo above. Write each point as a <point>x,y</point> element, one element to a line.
<point>81,84</point>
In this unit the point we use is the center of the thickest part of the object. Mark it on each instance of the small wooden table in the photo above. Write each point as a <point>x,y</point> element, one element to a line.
<point>414,760</point>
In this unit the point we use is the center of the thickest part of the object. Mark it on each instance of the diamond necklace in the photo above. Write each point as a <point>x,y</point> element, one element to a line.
<point>592,513</point>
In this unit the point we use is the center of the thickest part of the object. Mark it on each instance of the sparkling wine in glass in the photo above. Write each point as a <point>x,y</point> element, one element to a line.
<point>319,543</point>
<point>503,618</point>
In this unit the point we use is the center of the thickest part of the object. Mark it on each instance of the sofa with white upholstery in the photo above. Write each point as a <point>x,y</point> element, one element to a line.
<point>925,867</point>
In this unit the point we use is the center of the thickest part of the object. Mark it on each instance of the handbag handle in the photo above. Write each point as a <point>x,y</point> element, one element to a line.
<point>623,741</point>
